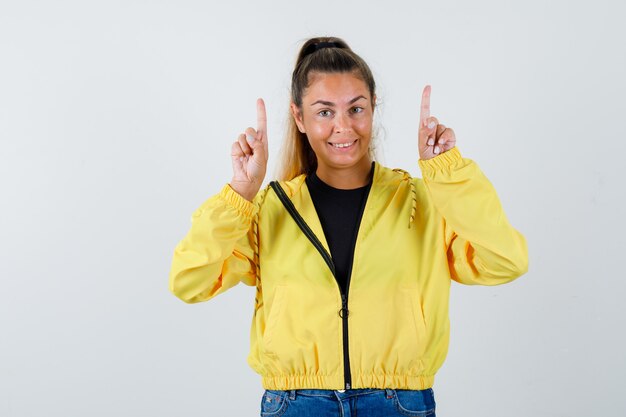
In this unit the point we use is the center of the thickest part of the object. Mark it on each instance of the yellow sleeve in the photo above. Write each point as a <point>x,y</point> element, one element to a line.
<point>216,254</point>
<point>482,247</point>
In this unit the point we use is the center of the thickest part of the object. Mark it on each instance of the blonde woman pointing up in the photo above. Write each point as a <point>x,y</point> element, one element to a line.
<point>352,261</point>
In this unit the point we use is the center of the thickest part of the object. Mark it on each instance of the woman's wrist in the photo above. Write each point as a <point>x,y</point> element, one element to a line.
<point>245,190</point>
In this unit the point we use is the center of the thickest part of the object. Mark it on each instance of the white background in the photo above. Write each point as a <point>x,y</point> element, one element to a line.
<point>116,121</point>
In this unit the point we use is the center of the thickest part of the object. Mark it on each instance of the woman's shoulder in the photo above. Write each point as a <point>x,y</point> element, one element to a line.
<point>397,176</point>
<point>290,187</point>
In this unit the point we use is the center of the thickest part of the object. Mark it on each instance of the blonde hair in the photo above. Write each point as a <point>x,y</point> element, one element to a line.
<point>296,155</point>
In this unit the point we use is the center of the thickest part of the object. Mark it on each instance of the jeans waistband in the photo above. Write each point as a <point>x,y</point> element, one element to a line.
<point>329,393</point>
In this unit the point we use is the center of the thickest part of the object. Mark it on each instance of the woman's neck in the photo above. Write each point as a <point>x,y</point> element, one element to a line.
<point>349,178</point>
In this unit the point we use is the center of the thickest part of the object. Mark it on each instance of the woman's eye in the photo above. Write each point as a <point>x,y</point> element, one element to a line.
<point>324,113</point>
<point>357,109</point>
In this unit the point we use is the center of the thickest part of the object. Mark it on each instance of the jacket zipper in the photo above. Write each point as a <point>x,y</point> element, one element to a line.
<point>345,310</point>
<point>343,313</point>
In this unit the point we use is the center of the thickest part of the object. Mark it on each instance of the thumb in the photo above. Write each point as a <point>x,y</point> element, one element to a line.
<point>427,130</point>
<point>253,139</point>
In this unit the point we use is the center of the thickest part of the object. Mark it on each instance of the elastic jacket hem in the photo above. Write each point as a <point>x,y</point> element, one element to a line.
<point>397,381</point>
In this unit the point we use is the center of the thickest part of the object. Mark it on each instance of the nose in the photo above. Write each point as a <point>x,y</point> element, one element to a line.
<point>342,123</point>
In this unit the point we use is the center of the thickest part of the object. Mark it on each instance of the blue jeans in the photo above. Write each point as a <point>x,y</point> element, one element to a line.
<point>367,402</point>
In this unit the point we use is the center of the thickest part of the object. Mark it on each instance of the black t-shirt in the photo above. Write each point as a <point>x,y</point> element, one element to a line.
<point>340,213</point>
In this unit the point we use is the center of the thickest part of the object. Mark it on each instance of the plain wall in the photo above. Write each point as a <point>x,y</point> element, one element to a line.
<point>116,121</point>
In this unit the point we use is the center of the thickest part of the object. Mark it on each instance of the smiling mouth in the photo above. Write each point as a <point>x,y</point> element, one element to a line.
<point>342,145</point>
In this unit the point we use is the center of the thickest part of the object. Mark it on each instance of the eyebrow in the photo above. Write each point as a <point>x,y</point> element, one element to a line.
<point>330,103</point>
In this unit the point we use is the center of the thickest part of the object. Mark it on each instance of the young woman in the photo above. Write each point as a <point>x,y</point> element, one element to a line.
<point>352,261</point>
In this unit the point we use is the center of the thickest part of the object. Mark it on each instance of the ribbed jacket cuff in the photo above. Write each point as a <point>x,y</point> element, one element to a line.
<point>243,206</point>
<point>439,162</point>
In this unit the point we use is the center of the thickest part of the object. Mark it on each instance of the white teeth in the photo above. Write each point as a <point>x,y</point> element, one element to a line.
<point>342,145</point>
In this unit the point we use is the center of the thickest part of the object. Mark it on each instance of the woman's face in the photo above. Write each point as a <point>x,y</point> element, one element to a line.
<point>337,116</point>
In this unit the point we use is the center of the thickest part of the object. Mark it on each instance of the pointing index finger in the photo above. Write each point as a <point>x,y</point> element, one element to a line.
<point>261,118</point>
<point>425,106</point>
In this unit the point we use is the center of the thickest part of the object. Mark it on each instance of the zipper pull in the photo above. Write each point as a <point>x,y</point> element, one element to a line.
<point>344,306</point>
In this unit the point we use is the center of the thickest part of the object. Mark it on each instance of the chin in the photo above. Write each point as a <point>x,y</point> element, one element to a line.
<point>342,163</point>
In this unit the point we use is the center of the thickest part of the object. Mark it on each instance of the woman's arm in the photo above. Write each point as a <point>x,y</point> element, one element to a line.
<point>482,247</point>
<point>216,254</point>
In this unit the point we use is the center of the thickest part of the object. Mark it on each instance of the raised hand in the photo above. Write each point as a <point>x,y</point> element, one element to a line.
<point>433,138</point>
<point>249,156</point>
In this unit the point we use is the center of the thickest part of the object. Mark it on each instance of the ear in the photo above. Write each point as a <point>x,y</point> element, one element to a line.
<point>297,115</point>
<point>374,102</point>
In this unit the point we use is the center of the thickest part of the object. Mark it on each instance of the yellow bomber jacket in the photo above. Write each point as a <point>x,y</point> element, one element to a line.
<point>391,330</point>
